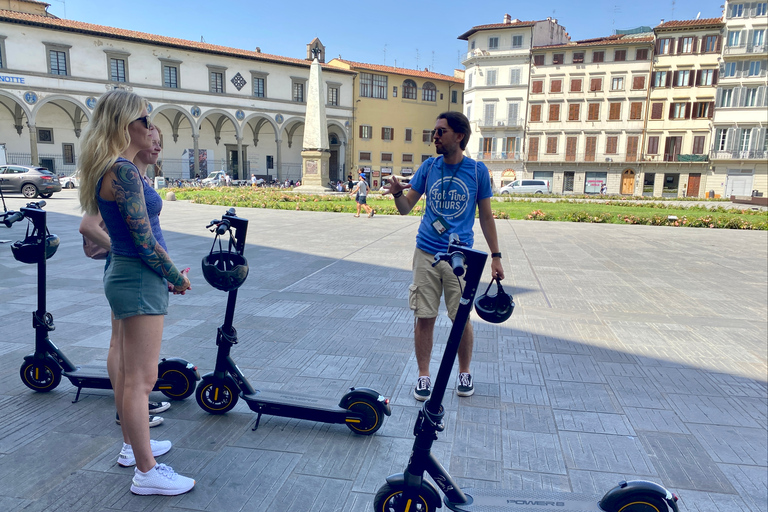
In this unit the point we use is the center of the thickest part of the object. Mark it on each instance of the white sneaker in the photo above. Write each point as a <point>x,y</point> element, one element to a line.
<point>126,458</point>
<point>161,479</point>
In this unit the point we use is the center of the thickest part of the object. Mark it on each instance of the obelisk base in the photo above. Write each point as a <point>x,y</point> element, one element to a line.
<point>314,172</point>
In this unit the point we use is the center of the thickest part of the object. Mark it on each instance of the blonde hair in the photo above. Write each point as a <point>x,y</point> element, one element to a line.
<point>105,138</point>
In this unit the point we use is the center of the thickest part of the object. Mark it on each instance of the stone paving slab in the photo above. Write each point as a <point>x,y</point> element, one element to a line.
<point>634,352</point>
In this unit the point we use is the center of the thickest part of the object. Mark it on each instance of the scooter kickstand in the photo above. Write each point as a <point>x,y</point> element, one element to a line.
<point>256,425</point>
<point>77,396</point>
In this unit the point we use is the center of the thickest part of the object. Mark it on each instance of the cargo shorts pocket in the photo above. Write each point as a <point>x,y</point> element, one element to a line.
<point>413,297</point>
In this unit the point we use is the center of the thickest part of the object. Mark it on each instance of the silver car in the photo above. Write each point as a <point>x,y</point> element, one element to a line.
<point>526,187</point>
<point>29,181</point>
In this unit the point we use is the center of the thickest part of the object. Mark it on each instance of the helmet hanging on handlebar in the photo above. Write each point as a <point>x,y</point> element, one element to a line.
<point>27,250</point>
<point>494,308</point>
<point>225,270</point>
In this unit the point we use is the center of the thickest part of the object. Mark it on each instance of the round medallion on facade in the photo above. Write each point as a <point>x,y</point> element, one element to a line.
<point>279,119</point>
<point>90,102</point>
<point>149,108</point>
<point>30,97</point>
<point>240,115</point>
<point>195,111</point>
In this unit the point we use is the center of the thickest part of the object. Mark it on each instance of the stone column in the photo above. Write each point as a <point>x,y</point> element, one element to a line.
<point>33,144</point>
<point>278,160</point>
<point>196,156</point>
<point>240,164</point>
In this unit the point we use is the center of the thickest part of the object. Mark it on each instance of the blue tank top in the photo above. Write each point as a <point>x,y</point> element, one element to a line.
<point>120,236</point>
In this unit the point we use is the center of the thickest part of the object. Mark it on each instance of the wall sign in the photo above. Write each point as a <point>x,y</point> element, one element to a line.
<point>279,118</point>
<point>12,79</point>
<point>30,97</point>
<point>90,102</point>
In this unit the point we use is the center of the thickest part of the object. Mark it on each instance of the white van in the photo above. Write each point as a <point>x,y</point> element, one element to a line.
<point>526,187</point>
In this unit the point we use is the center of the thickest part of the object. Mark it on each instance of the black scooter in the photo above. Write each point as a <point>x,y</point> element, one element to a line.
<point>42,370</point>
<point>410,492</point>
<point>361,409</point>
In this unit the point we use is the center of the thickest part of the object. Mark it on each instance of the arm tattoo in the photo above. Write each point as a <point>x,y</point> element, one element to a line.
<point>129,195</point>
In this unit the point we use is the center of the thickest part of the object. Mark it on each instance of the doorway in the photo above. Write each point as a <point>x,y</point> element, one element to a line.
<point>333,166</point>
<point>628,182</point>
<point>234,167</point>
<point>694,181</point>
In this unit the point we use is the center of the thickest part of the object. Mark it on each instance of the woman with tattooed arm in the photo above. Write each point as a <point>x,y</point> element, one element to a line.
<point>140,272</point>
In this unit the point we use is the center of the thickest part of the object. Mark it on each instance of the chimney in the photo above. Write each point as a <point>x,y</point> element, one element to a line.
<point>258,50</point>
<point>507,19</point>
<point>662,21</point>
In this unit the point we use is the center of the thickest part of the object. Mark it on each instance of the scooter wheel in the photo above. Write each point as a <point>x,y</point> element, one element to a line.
<point>641,504</point>
<point>40,376</point>
<point>216,396</point>
<point>372,417</point>
<point>390,498</point>
<point>182,381</point>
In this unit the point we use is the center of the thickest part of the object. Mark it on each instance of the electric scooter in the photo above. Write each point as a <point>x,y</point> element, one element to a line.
<point>361,409</point>
<point>42,370</point>
<point>409,491</point>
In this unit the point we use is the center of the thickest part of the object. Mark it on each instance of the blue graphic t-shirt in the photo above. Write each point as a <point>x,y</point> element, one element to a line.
<point>452,193</point>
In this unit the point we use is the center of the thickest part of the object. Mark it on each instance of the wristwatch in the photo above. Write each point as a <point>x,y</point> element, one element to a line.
<point>495,255</point>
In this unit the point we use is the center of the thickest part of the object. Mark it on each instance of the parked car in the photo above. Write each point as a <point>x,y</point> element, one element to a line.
<point>29,181</point>
<point>526,187</point>
<point>70,181</point>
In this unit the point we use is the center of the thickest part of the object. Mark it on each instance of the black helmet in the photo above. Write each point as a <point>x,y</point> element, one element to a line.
<point>26,251</point>
<point>495,308</point>
<point>225,270</point>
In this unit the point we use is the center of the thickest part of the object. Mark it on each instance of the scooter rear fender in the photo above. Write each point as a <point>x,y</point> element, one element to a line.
<point>637,488</point>
<point>374,396</point>
<point>171,362</point>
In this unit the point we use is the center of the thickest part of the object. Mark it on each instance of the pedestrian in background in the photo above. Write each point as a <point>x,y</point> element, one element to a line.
<point>360,191</point>
<point>136,280</point>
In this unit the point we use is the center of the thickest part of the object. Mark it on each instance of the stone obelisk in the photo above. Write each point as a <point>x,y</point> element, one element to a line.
<point>315,150</point>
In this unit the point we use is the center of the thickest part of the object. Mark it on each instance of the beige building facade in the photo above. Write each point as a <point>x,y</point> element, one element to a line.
<point>681,108</point>
<point>586,113</point>
<point>395,111</point>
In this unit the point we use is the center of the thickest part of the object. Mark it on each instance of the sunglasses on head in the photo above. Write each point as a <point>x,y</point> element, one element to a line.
<point>145,121</point>
<point>440,131</point>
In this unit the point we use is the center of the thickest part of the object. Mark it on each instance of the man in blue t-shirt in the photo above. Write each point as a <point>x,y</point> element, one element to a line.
<point>455,187</point>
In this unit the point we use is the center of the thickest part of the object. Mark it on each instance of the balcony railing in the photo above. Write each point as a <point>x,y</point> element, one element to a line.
<point>674,157</point>
<point>738,155</point>
<point>493,52</point>
<point>744,49</point>
<point>485,156</point>
<point>744,74</point>
<point>488,124</point>
<point>582,157</point>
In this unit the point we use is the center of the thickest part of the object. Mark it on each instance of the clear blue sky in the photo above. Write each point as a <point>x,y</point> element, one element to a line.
<point>389,33</point>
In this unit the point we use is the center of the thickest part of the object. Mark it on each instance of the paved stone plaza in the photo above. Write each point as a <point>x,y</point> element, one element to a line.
<point>633,352</point>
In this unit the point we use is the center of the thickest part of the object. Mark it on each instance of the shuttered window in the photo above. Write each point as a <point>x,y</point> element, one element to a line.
<point>551,145</point>
<point>598,56</point>
<point>698,144</point>
<point>657,111</point>
<point>537,86</point>
<point>620,55</point>
<point>636,110</point>
<point>653,145</point>
<point>556,86</point>
<point>596,84</point>
<point>573,111</point>
<point>591,149</point>
<point>576,85</point>
<point>533,149</point>
<point>535,113</point>
<point>594,112</point>
<point>570,149</point>
<point>638,83</point>
<point>632,143</point>
<point>554,112</point>
<point>614,114</point>
<point>611,145</point>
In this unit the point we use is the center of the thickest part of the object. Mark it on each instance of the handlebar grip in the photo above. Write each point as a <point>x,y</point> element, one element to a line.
<point>15,217</point>
<point>222,228</point>
<point>457,263</point>
<point>40,204</point>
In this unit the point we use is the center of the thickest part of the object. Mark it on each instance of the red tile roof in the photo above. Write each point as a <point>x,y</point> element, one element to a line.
<point>493,26</point>
<point>622,39</point>
<point>400,71</point>
<point>690,23</point>
<point>141,37</point>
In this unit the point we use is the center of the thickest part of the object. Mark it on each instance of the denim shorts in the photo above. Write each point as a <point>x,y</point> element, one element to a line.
<point>361,199</point>
<point>132,288</point>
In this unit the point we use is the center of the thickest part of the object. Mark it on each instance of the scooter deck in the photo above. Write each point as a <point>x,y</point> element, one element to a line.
<point>296,405</point>
<point>501,500</point>
<point>94,377</point>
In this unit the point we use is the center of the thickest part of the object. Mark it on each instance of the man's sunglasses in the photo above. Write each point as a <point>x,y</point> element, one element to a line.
<point>439,132</point>
<point>145,121</point>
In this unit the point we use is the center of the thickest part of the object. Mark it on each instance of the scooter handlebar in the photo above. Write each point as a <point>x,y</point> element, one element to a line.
<point>457,263</point>
<point>11,218</point>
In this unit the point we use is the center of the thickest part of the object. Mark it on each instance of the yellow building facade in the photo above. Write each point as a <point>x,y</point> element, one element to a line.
<point>395,110</point>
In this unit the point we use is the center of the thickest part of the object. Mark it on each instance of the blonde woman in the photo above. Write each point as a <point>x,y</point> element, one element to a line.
<point>139,274</point>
